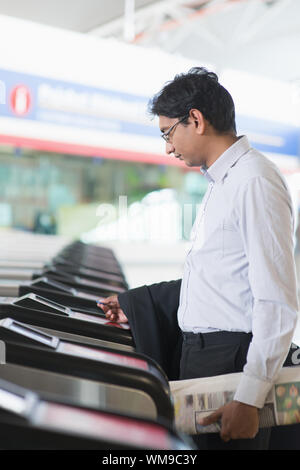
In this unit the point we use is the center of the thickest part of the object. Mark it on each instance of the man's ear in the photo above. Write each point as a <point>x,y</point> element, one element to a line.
<point>198,120</point>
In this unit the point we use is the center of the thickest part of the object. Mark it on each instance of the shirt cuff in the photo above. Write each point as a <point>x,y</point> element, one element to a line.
<point>252,391</point>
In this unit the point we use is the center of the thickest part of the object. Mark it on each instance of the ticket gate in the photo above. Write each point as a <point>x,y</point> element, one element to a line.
<point>87,248</point>
<point>27,274</point>
<point>79,246</point>
<point>88,273</point>
<point>89,252</point>
<point>56,291</point>
<point>73,365</point>
<point>15,287</point>
<point>88,262</point>
<point>106,268</point>
<point>66,323</point>
<point>89,376</point>
<point>29,422</point>
<point>91,261</point>
<point>80,284</point>
<point>85,285</point>
<point>85,276</point>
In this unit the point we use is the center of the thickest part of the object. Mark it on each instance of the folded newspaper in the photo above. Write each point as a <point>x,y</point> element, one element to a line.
<point>197,398</point>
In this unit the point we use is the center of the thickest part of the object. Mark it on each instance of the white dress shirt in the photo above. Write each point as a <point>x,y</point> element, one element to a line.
<point>239,274</point>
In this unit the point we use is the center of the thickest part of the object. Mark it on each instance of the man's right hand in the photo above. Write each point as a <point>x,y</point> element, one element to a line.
<point>112,309</point>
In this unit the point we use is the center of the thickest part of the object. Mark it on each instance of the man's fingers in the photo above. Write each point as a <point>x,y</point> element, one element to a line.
<point>112,309</point>
<point>104,303</point>
<point>216,417</point>
<point>111,313</point>
<point>212,418</point>
<point>108,303</point>
<point>117,316</point>
<point>111,317</point>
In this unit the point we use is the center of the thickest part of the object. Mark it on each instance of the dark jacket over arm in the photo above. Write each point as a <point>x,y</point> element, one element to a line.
<point>152,315</point>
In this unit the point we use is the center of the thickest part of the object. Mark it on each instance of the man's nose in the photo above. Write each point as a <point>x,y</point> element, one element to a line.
<point>170,148</point>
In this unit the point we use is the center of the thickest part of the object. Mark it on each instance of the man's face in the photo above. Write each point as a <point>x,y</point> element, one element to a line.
<point>184,142</point>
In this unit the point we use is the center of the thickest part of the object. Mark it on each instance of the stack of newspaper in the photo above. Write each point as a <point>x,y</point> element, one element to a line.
<point>197,398</point>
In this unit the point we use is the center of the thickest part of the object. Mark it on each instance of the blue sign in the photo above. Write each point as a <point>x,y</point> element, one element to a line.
<point>270,136</point>
<point>71,104</point>
<point>41,99</point>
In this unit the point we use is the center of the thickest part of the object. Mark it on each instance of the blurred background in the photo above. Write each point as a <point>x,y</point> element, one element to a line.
<point>80,157</point>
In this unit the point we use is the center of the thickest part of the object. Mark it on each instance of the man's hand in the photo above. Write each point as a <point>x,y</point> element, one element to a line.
<point>112,309</point>
<point>238,421</point>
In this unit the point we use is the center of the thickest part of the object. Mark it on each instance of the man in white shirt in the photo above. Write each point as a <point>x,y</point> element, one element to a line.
<point>238,299</point>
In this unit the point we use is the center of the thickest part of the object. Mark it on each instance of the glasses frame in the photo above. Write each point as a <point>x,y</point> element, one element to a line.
<point>166,135</point>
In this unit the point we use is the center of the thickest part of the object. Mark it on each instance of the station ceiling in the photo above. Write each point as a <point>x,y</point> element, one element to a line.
<point>75,15</point>
<point>255,36</point>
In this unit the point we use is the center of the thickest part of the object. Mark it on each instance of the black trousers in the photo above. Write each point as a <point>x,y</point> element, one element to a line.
<point>217,353</point>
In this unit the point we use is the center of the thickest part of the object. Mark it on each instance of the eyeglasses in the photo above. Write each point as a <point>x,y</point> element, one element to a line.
<point>166,135</point>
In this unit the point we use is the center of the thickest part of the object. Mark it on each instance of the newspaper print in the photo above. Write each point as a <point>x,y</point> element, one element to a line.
<point>189,409</point>
<point>287,397</point>
<point>193,401</point>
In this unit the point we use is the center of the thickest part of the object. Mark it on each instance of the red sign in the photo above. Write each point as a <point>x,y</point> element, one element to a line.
<point>20,100</point>
<point>104,426</point>
<point>101,355</point>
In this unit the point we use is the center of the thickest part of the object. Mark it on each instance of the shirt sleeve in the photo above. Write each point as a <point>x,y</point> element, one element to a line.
<point>266,223</point>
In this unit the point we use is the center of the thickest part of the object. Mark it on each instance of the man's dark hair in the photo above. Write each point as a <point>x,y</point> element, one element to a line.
<point>197,89</point>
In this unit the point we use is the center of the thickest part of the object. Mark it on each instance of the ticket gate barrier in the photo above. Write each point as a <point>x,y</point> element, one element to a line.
<point>89,273</point>
<point>84,276</point>
<point>90,256</point>
<point>77,245</point>
<point>56,291</point>
<point>13,288</point>
<point>26,274</point>
<point>91,260</point>
<point>101,377</point>
<point>89,263</point>
<point>86,286</point>
<point>29,422</point>
<point>87,248</point>
<point>66,323</point>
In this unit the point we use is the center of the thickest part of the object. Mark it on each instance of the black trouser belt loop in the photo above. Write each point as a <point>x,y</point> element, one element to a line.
<point>194,338</point>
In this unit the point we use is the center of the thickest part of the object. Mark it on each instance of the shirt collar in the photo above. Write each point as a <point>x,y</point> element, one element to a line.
<point>220,167</point>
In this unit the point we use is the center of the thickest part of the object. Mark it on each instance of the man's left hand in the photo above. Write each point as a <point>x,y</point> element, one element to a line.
<point>238,421</point>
